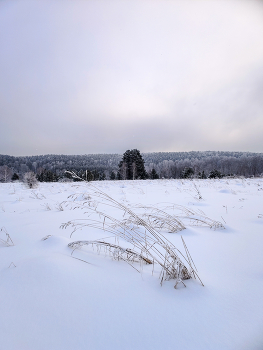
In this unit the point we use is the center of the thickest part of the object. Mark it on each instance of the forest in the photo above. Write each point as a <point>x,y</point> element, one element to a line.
<point>157,165</point>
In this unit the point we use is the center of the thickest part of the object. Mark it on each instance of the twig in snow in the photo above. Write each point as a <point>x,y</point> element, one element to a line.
<point>8,241</point>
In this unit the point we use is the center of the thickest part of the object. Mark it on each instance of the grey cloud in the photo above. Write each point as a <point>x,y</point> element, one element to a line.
<point>100,77</point>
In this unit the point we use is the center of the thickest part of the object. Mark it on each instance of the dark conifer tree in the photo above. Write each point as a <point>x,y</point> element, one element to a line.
<point>47,176</point>
<point>187,173</point>
<point>202,175</point>
<point>112,175</point>
<point>131,166</point>
<point>15,177</point>
<point>96,175</point>
<point>102,176</point>
<point>88,175</point>
<point>153,174</point>
<point>215,174</point>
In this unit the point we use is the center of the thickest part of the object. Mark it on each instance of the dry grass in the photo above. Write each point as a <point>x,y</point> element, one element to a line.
<point>113,250</point>
<point>7,241</point>
<point>36,195</point>
<point>140,231</point>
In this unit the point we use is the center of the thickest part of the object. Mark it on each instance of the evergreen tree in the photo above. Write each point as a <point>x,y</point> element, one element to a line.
<point>102,177</point>
<point>131,166</point>
<point>187,173</point>
<point>15,177</point>
<point>88,175</point>
<point>47,176</point>
<point>153,174</point>
<point>215,174</point>
<point>96,175</point>
<point>202,175</point>
<point>112,175</point>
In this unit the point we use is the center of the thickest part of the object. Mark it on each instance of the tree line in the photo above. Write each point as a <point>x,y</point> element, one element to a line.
<point>133,165</point>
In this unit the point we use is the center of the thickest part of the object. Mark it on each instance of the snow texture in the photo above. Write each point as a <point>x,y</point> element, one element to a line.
<point>51,299</point>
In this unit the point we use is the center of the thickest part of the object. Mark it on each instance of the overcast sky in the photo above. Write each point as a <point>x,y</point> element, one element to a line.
<point>91,76</point>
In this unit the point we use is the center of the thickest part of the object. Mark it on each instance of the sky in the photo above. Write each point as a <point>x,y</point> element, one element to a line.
<point>93,76</point>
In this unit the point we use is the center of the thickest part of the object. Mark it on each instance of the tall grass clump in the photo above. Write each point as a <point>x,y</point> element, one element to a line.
<point>140,227</point>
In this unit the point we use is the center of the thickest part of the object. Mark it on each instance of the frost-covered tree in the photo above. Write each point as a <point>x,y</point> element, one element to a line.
<point>122,173</point>
<point>30,179</point>
<point>166,164</point>
<point>5,173</point>
<point>102,176</point>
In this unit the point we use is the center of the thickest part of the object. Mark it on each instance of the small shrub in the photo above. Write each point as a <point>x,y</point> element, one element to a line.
<point>30,180</point>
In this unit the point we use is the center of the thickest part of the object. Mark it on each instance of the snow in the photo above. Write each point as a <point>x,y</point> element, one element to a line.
<point>51,299</point>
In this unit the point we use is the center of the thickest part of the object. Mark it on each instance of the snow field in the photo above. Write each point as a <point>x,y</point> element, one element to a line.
<point>52,301</point>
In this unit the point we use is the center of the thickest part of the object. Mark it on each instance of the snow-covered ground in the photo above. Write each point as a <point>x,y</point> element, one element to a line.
<point>49,300</point>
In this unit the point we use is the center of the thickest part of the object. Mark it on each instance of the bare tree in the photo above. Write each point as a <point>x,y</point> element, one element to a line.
<point>30,180</point>
<point>5,173</point>
<point>123,171</point>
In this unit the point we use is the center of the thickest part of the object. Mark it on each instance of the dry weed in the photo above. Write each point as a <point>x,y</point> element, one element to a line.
<point>148,242</point>
<point>8,240</point>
